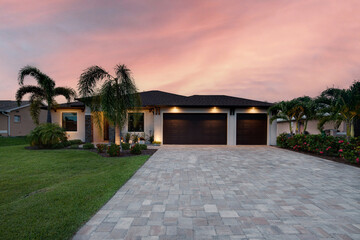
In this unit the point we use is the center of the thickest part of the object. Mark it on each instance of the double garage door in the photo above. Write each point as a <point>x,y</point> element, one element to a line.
<point>211,129</point>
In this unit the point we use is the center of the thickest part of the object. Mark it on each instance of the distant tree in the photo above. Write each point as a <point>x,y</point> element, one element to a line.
<point>340,105</point>
<point>116,96</point>
<point>44,92</point>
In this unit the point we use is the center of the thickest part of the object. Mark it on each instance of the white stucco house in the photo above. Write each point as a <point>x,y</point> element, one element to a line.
<point>177,119</point>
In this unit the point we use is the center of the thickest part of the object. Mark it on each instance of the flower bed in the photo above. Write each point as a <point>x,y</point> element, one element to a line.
<point>348,150</point>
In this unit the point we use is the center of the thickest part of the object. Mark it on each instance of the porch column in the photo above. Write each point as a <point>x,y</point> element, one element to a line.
<point>111,134</point>
<point>88,128</point>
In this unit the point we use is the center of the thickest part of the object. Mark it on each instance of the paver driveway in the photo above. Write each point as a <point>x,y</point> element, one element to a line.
<point>202,192</point>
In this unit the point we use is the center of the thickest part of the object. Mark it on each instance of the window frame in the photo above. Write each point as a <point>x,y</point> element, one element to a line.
<point>139,122</point>
<point>18,117</point>
<point>64,125</point>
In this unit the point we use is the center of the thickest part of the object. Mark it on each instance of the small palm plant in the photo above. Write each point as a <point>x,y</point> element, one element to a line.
<point>44,92</point>
<point>283,110</point>
<point>116,96</point>
<point>340,105</point>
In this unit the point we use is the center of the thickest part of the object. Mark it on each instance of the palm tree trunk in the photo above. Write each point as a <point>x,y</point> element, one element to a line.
<point>348,129</point>
<point>352,129</point>
<point>305,125</point>
<point>48,114</point>
<point>290,127</point>
<point>120,139</point>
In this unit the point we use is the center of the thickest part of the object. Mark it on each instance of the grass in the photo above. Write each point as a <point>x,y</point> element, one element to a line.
<point>11,141</point>
<point>49,194</point>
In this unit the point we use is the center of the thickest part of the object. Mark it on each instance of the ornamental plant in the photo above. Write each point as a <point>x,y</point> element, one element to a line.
<point>113,150</point>
<point>322,145</point>
<point>101,148</point>
<point>136,149</point>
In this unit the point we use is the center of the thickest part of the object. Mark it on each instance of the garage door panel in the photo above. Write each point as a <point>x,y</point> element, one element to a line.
<point>251,129</point>
<point>201,128</point>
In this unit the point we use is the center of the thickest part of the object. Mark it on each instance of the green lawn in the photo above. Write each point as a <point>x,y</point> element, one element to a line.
<point>11,141</point>
<point>49,194</point>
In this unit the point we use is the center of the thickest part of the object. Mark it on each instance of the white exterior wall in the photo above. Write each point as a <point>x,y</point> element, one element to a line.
<point>283,127</point>
<point>80,133</point>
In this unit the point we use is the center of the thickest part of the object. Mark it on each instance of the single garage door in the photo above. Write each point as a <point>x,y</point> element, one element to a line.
<point>251,129</point>
<point>195,128</point>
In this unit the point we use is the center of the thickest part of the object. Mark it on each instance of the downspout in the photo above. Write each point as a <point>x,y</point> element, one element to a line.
<point>8,116</point>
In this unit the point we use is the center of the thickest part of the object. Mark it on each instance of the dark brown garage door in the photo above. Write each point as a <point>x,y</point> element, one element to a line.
<point>251,129</point>
<point>199,128</point>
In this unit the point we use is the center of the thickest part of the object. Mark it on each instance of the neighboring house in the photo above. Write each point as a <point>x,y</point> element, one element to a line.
<point>176,119</point>
<point>16,120</point>
<point>312,127</point>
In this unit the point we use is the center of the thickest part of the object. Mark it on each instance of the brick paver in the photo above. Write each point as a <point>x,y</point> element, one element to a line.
<point>244,192</point>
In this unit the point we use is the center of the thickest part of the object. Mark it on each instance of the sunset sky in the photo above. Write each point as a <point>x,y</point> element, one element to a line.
<point>263,50</point>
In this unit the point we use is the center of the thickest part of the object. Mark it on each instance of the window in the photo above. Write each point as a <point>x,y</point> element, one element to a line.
<point>136,122</point>
<point>69,121</point>
<point>17,118</point>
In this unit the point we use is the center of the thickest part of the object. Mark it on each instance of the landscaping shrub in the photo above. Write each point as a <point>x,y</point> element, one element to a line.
<point>113,150</point>
<point>74,146</point>
<point>127,137</point>
<point>135,138</point>
<point>75,141</point>
<point>125,146</point>
<point>136,149</point>
<point>47,135</point>
<point>143,146</point>
<point>151,138</point>
<point>88,146</point>
<point>101,148</point>
<point>59,145</point>
<point>322,145</point>
<point>156,142</point>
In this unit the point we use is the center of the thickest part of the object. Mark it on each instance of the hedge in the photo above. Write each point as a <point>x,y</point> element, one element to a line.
<point>322,145</point>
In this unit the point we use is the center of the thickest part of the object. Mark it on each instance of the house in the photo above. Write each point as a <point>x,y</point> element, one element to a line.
<point>177,119</point>
<point>16,120</point>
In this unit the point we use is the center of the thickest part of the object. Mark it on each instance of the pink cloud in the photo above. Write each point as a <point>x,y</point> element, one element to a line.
<point>270,50</point>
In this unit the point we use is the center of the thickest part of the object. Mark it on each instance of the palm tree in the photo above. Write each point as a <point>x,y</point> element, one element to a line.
<point>310,110</point>
<point>283,110</point>
<point>45,91</point>
<point>117,95</point>
<point>340,105</point>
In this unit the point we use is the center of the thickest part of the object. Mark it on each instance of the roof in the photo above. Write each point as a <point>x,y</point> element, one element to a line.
<point>159,98</point>
<point>77,105</point>
<point>162,99</point>
<point>6,105</point>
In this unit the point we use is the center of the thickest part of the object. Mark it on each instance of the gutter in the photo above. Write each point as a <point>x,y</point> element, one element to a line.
<point>8,116</point>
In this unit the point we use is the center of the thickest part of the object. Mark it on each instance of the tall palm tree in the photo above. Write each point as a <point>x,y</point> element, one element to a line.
<point>340,105</point>
<point>310,109</point>
<point>283,110</point>
<point>44,92</point>
<point>117,95</point>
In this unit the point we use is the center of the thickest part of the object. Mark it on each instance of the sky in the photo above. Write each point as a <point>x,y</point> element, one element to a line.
<point>268,50</point>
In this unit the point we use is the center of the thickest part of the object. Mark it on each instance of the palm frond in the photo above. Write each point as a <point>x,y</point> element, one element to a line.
<point>42,79</point>
<point>68,93</point>
<point>34,90</point>
<point>89,78</point>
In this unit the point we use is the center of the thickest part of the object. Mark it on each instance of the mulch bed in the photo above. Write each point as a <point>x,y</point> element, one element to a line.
<point>124,153</point>
<point>334,159</point>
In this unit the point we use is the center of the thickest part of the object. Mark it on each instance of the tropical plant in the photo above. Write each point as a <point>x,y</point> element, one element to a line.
<point>44,92</point>
<point>47,135</point>
<point>101,148</point>
<point>113,150</point>
<point>136,149</point>
<point>283,110</point>
<point>125,146</point>
<point>116,96</point>
<point>88,146</point>
<point>340,105</point>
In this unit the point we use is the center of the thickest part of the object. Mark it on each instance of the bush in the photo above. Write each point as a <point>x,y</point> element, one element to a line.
<point>136,149</point>
<point>88,146</point>
<point>151,138</point>
<point>75,141</point>
<point>143,146</point>
<point>156,142</point>
<point>135,138</point>
<point>127,138</point>
<point>125,146</point>
<point>74,146</point>
<point>59,145</point>
<point>101,148</point>
<point>113,150</point>
<point>322,145</point>
<point>47,135</point>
